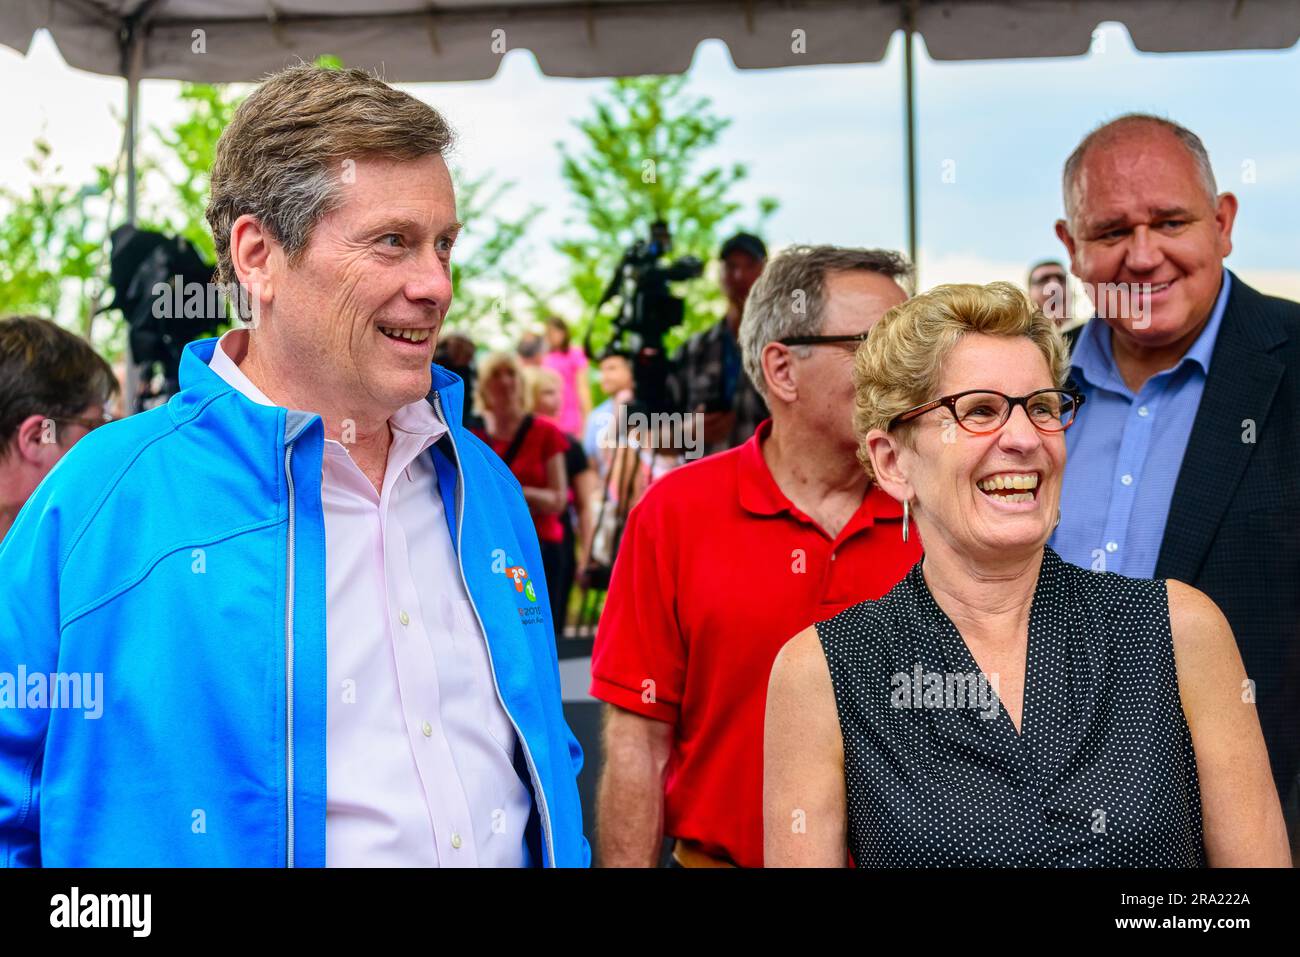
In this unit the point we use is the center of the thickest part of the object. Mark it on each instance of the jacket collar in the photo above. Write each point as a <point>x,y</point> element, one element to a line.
<point>1242,386</point>
<point>201,382</point>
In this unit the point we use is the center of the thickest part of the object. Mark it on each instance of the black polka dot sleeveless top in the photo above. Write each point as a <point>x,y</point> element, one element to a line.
<point>1102,773</point>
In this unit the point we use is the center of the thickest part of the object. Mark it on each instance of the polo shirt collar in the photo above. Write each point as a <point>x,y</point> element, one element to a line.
<point>760,495</point>
<point>1094,361</point>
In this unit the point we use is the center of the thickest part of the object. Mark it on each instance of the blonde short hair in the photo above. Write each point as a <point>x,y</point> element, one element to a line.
<point>489,367</point>
<point>900,364</point>
<point>537,378</point>
<point>282,156</point>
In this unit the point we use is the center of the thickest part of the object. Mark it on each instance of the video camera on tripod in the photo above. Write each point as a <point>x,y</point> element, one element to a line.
<point>648,312</point>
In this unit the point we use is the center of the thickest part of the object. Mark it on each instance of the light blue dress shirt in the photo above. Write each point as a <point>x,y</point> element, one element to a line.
<point>601,416</point>
<point>1125,449</point>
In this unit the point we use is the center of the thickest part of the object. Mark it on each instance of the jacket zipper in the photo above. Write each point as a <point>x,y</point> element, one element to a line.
<point>528,757</point>
<point>288,661</point>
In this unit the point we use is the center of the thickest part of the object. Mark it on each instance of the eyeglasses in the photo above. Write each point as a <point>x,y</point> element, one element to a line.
<point>88,423</point>
<point>857,339</point>
<point>981,411</point>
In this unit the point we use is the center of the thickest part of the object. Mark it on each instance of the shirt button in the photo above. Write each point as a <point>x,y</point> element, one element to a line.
<point>1143,411</point>
<point>1112,546</point>
<point>404,618</point>
<point>455,841</point>
<point>428,730</point>
<point>1127,479</point>
<point>832,556</point>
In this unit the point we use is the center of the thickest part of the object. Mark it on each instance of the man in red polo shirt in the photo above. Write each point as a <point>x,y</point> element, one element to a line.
<point>725,559</point>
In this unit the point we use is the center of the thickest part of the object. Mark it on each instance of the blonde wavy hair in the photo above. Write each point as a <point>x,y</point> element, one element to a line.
<point>900,364</point>
<point>489,367</point>
<point>537,378</point>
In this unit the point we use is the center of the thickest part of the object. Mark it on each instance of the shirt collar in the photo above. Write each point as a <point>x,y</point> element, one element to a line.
<point>1095,362</point>
<point>760,495</point>
<point>231,348</point>
<point>415,419</point>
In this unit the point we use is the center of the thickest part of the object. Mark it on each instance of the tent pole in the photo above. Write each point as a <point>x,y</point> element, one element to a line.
<point>132,126</point>
<point>132,41</point>
<point>909,121</point>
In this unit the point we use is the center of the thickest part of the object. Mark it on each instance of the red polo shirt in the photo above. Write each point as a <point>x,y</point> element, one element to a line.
<point>716,571</point>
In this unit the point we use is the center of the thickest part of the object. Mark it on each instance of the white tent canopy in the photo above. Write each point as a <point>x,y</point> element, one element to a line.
<point>419,40</point>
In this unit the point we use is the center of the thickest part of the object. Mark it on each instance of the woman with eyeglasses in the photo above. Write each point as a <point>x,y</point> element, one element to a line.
<point>1000,707</point>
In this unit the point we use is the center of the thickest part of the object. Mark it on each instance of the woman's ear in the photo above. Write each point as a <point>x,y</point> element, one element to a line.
<point>886,452</point>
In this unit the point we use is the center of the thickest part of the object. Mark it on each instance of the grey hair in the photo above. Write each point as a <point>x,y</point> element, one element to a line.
<point>1190,141</point>
<point>789,298</point>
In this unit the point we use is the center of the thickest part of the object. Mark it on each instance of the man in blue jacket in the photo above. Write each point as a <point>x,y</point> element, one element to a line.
<point>305,600</point>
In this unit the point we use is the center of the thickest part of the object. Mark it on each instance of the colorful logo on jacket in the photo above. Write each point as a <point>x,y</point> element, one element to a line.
<point>518,574</point>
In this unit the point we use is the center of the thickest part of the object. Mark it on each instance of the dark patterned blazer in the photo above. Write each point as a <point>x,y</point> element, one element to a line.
<point>1234,522</point>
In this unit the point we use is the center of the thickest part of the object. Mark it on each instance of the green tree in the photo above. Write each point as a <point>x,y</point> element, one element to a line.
<point>54,239</point>
<point>642,161</point>
<point>192,146</point>
<point>50,246</point>
<point>490,291</point>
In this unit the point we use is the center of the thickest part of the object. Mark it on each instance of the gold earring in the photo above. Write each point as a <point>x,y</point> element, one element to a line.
<point>906,517</point>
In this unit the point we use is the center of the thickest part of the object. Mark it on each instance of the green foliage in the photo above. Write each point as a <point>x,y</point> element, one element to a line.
<point>487,267</point>
<point>54,240</point>
<point>47,249</point>
<point>192,144</point>
<point>641,162</point>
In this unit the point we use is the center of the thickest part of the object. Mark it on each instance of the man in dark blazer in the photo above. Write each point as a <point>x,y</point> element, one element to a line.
<point>1185,463</point>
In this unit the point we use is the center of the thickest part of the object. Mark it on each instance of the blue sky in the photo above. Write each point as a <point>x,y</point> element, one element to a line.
<point>827,141</point>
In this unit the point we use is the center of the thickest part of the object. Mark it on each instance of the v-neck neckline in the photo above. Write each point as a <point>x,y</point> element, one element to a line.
<point>945,626</point>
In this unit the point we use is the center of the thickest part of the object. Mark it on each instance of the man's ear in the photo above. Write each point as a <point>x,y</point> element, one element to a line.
<point>1063,234</point>
<point>1225,214</point>
<point>885,451</point>
<point>777,363</point>
<point>251,248</point>
<point>35,441</point>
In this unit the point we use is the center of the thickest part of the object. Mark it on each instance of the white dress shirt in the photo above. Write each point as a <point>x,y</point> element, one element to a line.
<point>418,747</point>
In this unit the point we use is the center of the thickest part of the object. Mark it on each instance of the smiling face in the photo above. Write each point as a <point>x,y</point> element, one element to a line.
<point>1141,215</point>
<point>355,320</point>
<point>985,496</point>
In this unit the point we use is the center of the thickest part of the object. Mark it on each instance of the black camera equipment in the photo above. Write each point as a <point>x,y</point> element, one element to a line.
<point>648,311</point>
<point>165,292</point>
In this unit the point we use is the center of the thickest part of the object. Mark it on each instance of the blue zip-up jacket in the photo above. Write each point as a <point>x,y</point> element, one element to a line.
<point>180,554</point>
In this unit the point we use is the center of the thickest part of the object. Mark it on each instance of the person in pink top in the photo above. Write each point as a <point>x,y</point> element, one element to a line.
<point>570,361</point>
